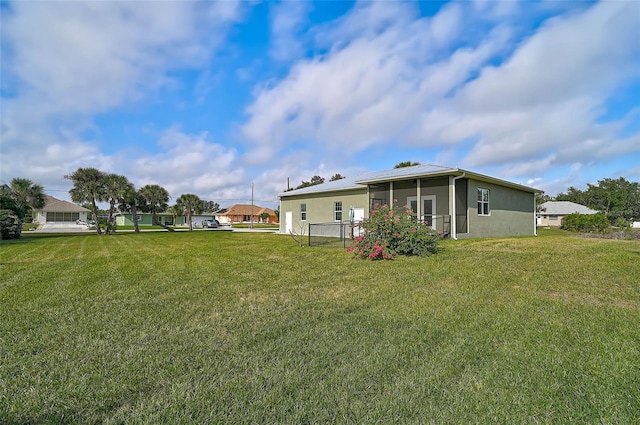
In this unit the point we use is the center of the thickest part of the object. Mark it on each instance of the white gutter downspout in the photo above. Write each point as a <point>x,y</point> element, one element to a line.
<point>535,216</point>
<point>454,235</point>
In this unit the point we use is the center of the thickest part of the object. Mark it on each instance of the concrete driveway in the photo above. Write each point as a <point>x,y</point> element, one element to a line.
<point>64,228</point>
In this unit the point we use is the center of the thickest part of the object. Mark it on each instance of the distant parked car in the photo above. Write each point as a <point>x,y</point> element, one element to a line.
<point>210,224</point>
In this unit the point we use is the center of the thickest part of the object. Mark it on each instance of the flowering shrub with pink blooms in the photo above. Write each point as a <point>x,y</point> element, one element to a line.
<point>391,231</point>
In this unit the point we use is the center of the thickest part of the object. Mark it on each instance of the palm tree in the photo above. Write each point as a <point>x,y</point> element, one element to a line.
<point>88,186</point>
<point>115,187</point>
<point>156,197</point>
<point>25,193</point>
<point>174,210</point>
<point>190,204</point>
<point>131,201</point>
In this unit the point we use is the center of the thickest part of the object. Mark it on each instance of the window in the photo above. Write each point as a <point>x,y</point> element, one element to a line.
<point>553,218</point>
<point>483,202</point>
<point>303,212</point>
<point>338,210</point>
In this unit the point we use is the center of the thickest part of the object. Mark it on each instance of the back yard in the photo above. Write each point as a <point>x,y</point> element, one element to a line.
<point>209,327</point>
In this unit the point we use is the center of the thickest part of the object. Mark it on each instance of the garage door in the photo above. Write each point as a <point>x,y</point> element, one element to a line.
<point>57,217</point>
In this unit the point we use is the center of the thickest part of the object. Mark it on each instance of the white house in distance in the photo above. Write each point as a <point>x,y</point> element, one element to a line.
<point>551,213</point>
<point>59,211</point>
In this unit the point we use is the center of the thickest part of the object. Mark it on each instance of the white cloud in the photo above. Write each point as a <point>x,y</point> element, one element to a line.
<point>187,164</point>
<point>365,92</point>
<point>287,19</point>
<point>391,79</point>
<point>64,62</point>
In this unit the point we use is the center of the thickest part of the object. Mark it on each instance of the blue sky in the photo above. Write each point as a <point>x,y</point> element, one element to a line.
<point>210,97</point>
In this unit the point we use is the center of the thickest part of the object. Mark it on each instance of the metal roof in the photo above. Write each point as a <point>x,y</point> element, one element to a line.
<point>416,171</point>
<point>405,173</point>
<point>342,184</point>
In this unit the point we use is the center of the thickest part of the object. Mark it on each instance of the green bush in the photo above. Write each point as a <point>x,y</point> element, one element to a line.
<point>10,225</point>
<point>586,223</point>
<point>391,231</point>
<point>622,223</point>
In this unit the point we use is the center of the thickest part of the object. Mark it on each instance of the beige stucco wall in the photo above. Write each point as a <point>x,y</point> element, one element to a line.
<point>320,207</point>
<point>545,220</point>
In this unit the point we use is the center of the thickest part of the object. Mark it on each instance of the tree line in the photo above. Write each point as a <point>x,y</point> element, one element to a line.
<point>91,187</point>
<point>618,199</point>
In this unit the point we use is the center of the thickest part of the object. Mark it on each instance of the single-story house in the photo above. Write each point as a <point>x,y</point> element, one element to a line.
<point>58,211</point>
<point>456,202</point>
<point>551,213</point>
<point>146,219</point>
<point>242,213</point>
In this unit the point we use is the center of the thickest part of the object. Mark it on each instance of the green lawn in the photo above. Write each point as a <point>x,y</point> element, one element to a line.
<point>222,327</point>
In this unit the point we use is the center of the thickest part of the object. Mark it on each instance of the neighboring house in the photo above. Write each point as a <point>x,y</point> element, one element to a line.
<point>59,211</point>
<point>551,213</point>
<point>242,213</point>
<point>483,206</point>
<point>145,219</point>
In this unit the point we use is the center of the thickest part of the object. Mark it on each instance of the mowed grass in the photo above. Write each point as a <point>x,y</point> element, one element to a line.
<point>222,327</point>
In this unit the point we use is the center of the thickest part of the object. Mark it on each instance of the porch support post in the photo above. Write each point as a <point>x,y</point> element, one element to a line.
<point>535,220</point>
<point>368,209</point>
<point>391,193</point>
<point>419,203</point>
<point>452,207</point>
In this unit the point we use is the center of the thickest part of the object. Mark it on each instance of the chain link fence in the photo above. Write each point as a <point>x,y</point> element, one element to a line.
<point>339,234</point>
<point>336,234</point>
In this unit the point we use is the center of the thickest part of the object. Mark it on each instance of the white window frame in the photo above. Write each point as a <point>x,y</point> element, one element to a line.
<point>336,210</point>
<point>303,212</point>
<point>484,201</point>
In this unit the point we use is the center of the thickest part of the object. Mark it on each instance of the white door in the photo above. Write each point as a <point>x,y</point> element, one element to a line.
<point>358,216</point>
<point>288,221</point>
<point>427,210</point>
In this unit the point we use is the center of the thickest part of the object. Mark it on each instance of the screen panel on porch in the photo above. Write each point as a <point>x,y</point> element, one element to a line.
<point>378,195</point>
